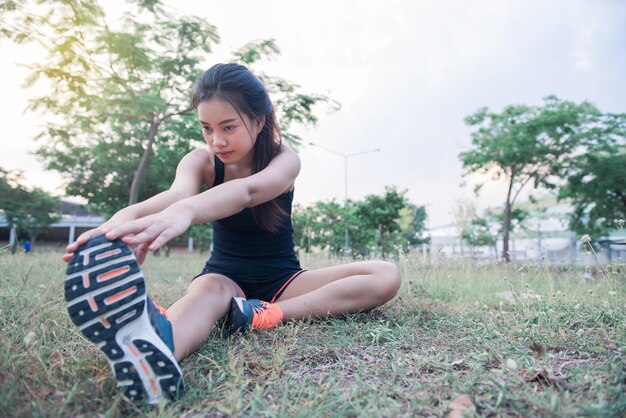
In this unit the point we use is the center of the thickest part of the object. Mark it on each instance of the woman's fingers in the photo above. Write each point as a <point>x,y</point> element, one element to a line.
<point>128,229</point>
<point>140,232</point>
<point>141,252</point>
<point>174,227</point>
<point>160,240</point>
<point>148,233</point>
<point>82,238</point>
<point>146,236</point>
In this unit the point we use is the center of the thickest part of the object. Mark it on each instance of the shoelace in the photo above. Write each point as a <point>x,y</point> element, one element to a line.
<point>259,306</point>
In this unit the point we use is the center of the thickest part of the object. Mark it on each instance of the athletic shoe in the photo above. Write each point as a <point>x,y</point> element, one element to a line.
<point>253,313</point>
<point>107,299</point>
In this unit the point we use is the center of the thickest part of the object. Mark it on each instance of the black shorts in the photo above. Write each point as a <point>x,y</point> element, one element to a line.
<point>258,279</point>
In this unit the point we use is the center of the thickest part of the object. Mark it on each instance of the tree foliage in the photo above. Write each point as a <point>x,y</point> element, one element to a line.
<point>413,224</point>
<point>529,145</point>
<point>30,211</point>
<point>320,225</point>
<point>378,222</point>
<point>486,230</point>
<point>118,93</point>
<point>381,214</point>
<point>596,189</point>
<point>119,109</point>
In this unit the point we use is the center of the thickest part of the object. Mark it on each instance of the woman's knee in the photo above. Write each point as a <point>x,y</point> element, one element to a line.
<point>387,279</point>
<point>213,284</point>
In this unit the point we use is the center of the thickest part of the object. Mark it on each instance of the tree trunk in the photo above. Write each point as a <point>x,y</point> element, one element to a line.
<point>506,224</point>
<point>143,164</point>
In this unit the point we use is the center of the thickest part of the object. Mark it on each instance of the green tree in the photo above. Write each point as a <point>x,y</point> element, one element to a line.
<point>517,220</point>
<point>319,225</point>
<point>322,225</point>
<point>116,93</point>
<point>121,116</point>
<point>202,235</point>
<point>413,224</point>
<point>463,212</point>
<point>381,221</point>
<point>528,145</point>
<point>596,190</point>
<point>479,233</point>
<point>30,211</point>
<point>381,214</point>
<point>301,218</point>
<point>40,211</point>
<point>486,230</point>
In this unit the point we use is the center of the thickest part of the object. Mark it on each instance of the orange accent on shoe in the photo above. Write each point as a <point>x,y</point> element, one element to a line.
<point>108,254</point>
<point>144,367</point>
<point>146,370</point>
<point>162,310</point>
<point>268,317</point>
<point>92,303</point>
<point>105,323</point>
<point>113,273</point>
<point>121,295</point>
<point>154,387</point>
<point>132,350</point>
<point>85,281</point>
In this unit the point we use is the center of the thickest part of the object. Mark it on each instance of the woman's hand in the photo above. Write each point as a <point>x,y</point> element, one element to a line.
<point>120,217</point>
<point>82,238</point>
<point>151,232</point>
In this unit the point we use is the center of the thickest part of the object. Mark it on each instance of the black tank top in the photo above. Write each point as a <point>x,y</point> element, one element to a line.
<point>240,235</point>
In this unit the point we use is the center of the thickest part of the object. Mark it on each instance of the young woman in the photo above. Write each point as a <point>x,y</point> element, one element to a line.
<point>253,276</point>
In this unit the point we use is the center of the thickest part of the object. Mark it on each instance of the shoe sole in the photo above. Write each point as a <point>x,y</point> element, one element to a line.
<point>107,300</point>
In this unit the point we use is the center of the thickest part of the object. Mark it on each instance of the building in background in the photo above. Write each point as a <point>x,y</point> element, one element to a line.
<point>75,220</point>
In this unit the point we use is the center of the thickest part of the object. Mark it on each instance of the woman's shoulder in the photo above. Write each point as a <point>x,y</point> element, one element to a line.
<point>200,155</point>
<point>285,148</point>
<point>201,161</point>
<point>285,152</point>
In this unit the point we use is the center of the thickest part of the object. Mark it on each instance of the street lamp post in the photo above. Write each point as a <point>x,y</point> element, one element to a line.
<point>345,202</point>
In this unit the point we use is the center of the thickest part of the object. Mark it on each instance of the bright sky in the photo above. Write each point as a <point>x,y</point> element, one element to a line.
<point>406,73</point>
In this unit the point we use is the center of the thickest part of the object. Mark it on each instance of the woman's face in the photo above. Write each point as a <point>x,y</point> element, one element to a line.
<point>230,135</point>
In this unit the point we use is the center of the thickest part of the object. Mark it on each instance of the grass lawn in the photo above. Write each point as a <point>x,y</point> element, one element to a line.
<point>530,341</point>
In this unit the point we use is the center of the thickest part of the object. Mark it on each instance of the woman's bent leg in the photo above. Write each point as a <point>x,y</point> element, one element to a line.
<point>193,316</point>
<point>339,290</point>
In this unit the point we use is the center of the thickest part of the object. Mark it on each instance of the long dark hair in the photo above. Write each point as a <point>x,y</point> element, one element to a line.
<point>245,92</point>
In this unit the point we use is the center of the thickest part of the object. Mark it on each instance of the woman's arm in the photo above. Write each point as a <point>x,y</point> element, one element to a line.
<point>233,196</point>
<point>194,169</point>
<point>190,174</point>
<point>218,202</point>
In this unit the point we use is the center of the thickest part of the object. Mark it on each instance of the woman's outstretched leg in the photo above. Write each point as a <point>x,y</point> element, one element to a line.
<point>335,290</point>
<point>193,316</point>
